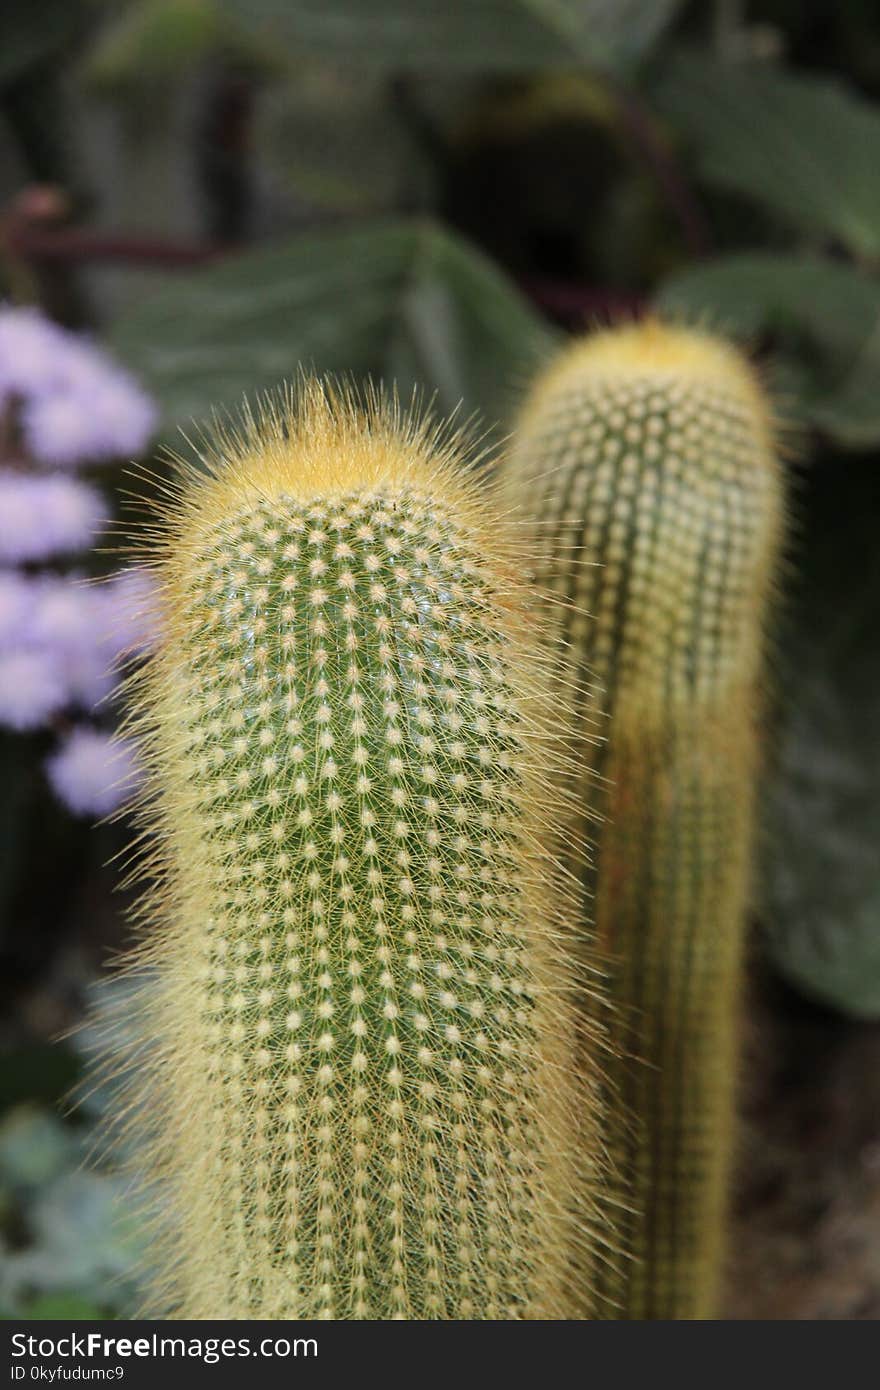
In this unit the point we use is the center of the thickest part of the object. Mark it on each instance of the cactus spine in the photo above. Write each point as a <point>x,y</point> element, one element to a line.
<point>646,456</point>
<point>360,1018</point>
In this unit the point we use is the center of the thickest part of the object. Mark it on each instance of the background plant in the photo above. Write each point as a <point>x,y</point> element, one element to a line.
<point>644,463</point>
<point>64,405</point>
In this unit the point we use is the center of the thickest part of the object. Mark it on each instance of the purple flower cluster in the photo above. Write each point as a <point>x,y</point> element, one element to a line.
<point>75,406</point>
<point>62,640</point>
<point>44,516</point>
<point>92,772</point>
<point>62,404</point>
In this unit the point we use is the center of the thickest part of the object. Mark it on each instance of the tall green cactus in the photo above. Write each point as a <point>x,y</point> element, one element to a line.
<point>645,456</point>
<point>359,1075</point>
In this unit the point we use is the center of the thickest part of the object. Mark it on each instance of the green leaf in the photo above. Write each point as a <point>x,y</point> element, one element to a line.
<point>822,315</point>
<point>76,1236</point>
<point>770,292</point>
<point>35,1147</point>
<point>161,41</point>
<point>851,414</point>
<point>462,35</point>
<point>399,302</point>
<point>803,146</point>
<point>335,138</point>
<point>822,877</point>
<point>84,1241</point>
<point>31,34</point>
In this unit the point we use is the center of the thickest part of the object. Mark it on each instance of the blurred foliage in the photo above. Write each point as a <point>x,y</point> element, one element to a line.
<point>806,148</point>
<point>484,36</point>
<point>34,34</point>
<point>368,160</point>
<point>404,303</point>
<point>72,1244</point>
<point>821,315</point>
<point>822,869</point>
<point>158,42</point>
<point>68,1244</point>
<point>548,174</point>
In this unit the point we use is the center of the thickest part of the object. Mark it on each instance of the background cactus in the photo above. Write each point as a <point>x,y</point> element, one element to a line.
<point>360,1018</point>
<point>646,455</point>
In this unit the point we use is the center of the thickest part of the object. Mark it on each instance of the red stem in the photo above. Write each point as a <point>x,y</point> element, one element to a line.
<point>30,242</point>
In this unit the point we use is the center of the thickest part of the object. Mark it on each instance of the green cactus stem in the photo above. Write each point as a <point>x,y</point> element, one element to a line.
<point>361,1025</point>
<point>646,457</point>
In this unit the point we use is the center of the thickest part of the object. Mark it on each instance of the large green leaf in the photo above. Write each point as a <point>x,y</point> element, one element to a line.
<point>823,315</point>
<point>805,147</point>
<point>456,35</point>
<point>336,139</point>
<point>31,34</point>
<point>822,880</point>
<point>851,414</point>
<point>766,291</point>
<point>401,302</point>
<point>74,1232</point>
<point>162,41</point>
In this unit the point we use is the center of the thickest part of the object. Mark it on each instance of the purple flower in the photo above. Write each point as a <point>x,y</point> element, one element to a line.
<point>66,612</point>
<point>61,640</point>
<point>70,619</point>
<point>42,516</point>
<point>90,674</point>
<point>73,509</point>
<point>85,629</point>
<point>106,415</point>
<point>124,415</point>
<point>58,429</point>
<point>31,688</point>
<point>76,405</point>
<point>93,772</point>
<point>32,352</point>
<point>16,606</point>
<point>133,607</point>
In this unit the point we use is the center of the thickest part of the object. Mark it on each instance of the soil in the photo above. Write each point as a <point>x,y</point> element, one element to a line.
<point>805,1238</point>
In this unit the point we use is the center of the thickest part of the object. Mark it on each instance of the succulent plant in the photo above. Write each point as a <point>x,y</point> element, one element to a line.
<point>356,1049</point>
<point>645,458</point>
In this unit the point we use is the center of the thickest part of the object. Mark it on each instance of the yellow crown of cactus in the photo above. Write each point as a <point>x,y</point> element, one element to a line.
<point>645,456</point>
<point>359,1075</point>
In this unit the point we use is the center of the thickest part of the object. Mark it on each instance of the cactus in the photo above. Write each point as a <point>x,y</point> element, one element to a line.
<point>646,456</point>
<point>356,1049</point>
